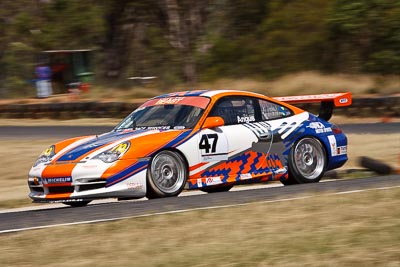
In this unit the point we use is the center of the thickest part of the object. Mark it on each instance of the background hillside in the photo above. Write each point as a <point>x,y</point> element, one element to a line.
<point>196,42</point>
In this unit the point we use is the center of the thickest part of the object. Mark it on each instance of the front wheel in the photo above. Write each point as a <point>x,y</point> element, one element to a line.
<point>166,175</point>
<point>307,161</point>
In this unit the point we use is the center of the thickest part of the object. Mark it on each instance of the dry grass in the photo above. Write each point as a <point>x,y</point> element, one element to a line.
<point>361,229</point>
<point>17,158</point>
<point>50,122</point>
<point>310,82</point>
<point>385,148</point>
<point>313,83</point>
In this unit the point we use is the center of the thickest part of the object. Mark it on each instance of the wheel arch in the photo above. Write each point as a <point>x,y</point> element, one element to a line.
<point>173,149</point>
<point>151,192</point>
<point>324,142</point>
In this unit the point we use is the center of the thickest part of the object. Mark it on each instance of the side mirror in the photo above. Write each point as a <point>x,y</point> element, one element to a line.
<point>212,122</point>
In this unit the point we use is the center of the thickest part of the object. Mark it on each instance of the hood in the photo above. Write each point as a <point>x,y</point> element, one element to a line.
<point>83,147</point>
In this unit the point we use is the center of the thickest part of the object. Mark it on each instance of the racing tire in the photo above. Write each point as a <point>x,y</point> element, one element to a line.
<point>307,161</point>
<point>216,189</point>
<point>289,181</point>
<point>375,165</point>
<point>166,175</point>
<point>77,204</point>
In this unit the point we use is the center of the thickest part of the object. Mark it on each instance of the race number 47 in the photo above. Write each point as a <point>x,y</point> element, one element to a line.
<point>208,142</point>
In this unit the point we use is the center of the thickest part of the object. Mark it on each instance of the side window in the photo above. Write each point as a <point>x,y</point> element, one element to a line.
<point>235,110</point>
<point>272,111</point>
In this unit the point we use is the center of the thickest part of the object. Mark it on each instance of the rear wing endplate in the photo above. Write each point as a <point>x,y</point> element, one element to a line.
<point>328,102</point>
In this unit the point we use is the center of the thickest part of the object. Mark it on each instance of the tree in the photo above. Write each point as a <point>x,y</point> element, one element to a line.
<point>185,20</point>
<point>366,35</point>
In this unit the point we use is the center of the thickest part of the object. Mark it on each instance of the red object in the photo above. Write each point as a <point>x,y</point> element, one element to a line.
<point>84,87</point>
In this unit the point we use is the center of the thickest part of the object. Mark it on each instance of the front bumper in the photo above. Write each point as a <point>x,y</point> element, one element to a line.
<point>77,188</point>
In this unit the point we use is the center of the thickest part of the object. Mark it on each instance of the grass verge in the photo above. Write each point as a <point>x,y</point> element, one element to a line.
<point>361,229</point>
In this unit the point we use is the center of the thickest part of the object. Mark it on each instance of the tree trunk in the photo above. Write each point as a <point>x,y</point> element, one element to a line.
<point>189,69</point>
<point>185,24</point>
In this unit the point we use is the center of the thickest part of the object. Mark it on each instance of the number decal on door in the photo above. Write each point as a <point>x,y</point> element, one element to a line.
<point>205,143</point>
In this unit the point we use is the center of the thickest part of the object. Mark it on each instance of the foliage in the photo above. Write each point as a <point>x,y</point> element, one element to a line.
<point>180,40</point>
<point>72,24</point>
<point>369,31</point>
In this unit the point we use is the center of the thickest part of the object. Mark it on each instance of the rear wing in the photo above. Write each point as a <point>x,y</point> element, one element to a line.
<point>328,102</point>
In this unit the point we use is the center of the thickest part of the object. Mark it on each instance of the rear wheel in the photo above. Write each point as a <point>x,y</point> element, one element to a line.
<point>167,175</point>
<point>289,181</point>
<point>307,162</point>
<point>77,204</point>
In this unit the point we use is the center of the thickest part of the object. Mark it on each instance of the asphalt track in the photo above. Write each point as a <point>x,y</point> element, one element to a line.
<point>62,132</point>
<point>50,217</point>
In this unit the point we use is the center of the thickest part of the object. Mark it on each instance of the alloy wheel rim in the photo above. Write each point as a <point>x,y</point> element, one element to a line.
<point>309,158</point>
<point>168,172</point>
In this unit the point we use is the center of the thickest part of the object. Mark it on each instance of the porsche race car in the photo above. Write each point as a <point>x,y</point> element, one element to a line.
<point>207,140</point>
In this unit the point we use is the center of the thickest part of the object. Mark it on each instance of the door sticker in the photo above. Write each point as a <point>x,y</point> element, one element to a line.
<point>213,146</point>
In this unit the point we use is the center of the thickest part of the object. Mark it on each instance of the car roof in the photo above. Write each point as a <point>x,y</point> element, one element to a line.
<point>209,93</point>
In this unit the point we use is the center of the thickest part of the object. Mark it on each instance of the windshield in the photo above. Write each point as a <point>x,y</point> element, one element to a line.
<point>166,113</point>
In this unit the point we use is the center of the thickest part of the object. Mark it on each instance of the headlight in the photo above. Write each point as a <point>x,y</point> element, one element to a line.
<point>46,155</point>
<point>114,153</point>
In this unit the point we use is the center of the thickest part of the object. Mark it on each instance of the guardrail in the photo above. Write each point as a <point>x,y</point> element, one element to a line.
<point>361,107</point>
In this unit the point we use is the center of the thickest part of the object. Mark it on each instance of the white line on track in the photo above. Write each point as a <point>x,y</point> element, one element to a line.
<point>41,206</point>
<point>196,209</point>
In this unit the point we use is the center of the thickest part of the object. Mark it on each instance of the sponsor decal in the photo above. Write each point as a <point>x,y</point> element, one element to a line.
<point>65,200</point>
<point>199,183</point>
<point>134,185</point>
<point>245,176</point>
<point>57,180</point>
<point>319,127</point>
<point>246,119</point>
<point>333,145</point>
<point>306,97</point>
<point>213,180</point>
<point>343,100</point>
<point>157,128</point>
<point>169,100</point>
<point>341,150</point>
<point>89,166</point>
